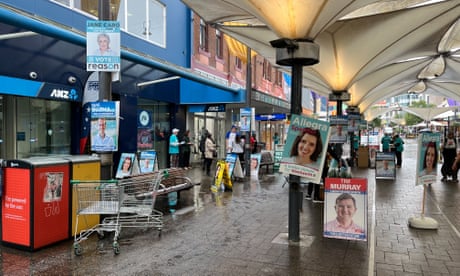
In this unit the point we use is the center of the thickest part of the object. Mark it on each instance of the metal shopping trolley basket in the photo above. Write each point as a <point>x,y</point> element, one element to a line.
<point>137,206</point>
<point>101,197</point>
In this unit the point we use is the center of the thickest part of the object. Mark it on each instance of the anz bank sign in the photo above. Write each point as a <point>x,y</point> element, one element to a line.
<point>63,93</point>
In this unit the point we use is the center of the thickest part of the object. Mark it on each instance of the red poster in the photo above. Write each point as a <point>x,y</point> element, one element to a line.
<point>345,208</point>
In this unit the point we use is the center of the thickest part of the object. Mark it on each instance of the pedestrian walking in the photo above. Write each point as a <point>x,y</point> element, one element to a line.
<point>276,139</point>
<point>386,140</point>
<point>253,142</point>
<point>238,147</point>
<point>230,138</point>
<point>448,150</point>
<point>174,149</point>
<point>210,153</point>
<point>202,147</point>
<point>399,148</point>
<point>184,159</point>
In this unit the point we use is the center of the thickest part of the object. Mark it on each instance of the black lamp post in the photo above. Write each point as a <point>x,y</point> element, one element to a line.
<point>295,53</point>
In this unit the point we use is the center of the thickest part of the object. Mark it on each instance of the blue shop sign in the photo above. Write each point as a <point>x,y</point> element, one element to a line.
<point>207,108</point>
<point>270,117</point>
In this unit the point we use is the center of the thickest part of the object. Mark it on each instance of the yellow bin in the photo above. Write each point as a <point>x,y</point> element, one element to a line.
<point>83,167</point>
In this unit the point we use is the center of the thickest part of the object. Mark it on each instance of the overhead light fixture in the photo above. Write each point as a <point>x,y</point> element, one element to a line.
<point>157,81</point>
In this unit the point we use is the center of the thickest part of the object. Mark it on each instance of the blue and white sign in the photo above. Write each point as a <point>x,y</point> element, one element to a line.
<point>104,126</point>
<point>245,119</point>
<point>103,46</point>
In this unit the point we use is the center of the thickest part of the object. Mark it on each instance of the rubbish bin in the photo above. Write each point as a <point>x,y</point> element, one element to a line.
<point>82,167</point>
<point>35,202</point>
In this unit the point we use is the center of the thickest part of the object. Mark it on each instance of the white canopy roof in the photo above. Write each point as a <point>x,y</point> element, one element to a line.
<point>373,49</point>
<point>427,113</point>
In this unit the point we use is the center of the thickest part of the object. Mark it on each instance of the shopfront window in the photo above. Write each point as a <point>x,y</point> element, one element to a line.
<point>43,127</point>
<point>147,21</point>
<point>143,18</point>
<point>158,131</point>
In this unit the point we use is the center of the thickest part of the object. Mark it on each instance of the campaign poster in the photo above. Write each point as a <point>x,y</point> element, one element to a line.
<point>305,149</point>
<point>385,165</point>
<point>339,129</point>
<point>147,161</point>
<point>126,165</point>
<point>427,158</point>
<point>221,177</point>
<point>278,155</point>
<point>345,208</point>
<point>245,119</point>
<point>104,126</point>
<point>103,46</point>
<point>255,164</point>
<point>230,159</point>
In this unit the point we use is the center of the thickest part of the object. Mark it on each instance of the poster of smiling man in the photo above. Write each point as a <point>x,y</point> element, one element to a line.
<point>305,148</point>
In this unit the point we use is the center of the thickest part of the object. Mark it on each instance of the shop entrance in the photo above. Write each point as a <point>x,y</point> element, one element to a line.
<point>267,130</point>
<point>214,122</point>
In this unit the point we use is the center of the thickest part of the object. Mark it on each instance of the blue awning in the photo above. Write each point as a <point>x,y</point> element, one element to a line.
<point>189,92</point>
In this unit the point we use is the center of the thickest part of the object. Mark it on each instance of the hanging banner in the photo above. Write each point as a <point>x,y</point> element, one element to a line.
<point>305,148</point>
<point>245,119</point>
<point>345,208</point>
<point>102,46</point>
<point>104,126</point>
<point>427,158</point>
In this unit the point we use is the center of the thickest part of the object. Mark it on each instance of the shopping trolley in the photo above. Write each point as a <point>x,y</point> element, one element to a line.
<point>94,197</point>
<point>138,202</point>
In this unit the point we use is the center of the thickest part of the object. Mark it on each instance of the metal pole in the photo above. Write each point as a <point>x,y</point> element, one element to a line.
<point>295,195</point>
<point>105,93</point>
<point>247,142</point>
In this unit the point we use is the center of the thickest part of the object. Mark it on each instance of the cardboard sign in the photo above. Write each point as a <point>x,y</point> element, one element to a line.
<point>222,176</point>
<point>148,161</point>
<point>127,165</point>
<point>345,208</point>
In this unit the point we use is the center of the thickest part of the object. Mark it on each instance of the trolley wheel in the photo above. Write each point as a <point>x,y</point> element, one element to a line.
<point>116,248</point>
<point>77,250</point>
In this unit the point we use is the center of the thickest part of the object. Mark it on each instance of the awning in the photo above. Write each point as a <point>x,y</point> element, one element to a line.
<point>185,91</point>
<point>427,113</point>
<point>28,43</point>
<point>364,54</point>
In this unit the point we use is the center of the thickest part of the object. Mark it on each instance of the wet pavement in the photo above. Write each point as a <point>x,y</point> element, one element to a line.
<point>244,232</point>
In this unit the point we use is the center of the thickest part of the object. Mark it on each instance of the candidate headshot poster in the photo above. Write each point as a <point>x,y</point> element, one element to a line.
<point>339,129</point>
<point>103,46</point>
<point>345,208</point>
<point>385,165</point>
<point>147,161</point>
<point>126,165</point>
<point>104,126</point>
<point>427,158</point>
<point>305,148</point>
<point>255,164</point>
